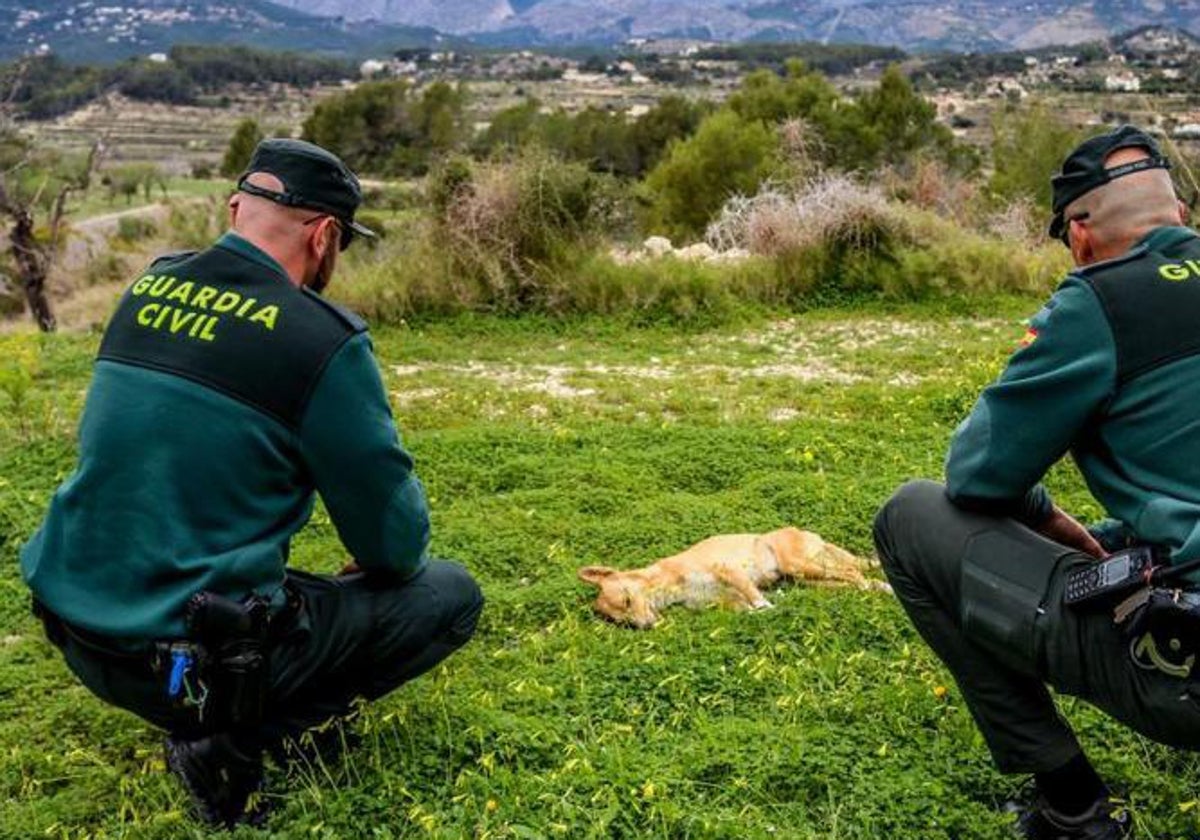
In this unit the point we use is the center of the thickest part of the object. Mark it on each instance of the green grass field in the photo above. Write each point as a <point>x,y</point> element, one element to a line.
<point>549,445</point>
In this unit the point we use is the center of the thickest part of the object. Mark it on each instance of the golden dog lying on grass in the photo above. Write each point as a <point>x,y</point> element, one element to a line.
<point>730,568</point>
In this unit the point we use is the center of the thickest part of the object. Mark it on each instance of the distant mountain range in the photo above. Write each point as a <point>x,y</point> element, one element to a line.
<point>106,30</point>
<point>918,25</point>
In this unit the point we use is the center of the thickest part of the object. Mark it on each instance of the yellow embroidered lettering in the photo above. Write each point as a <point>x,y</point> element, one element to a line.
<point>162,285</point>
<point>182,292</point>
<point>266,316</point>
<point>145,315</point>
<point>208,334</point>
<point>203,295</point>
<point>180,319</point>
<point>1174,271</point>
<point>227,301</point>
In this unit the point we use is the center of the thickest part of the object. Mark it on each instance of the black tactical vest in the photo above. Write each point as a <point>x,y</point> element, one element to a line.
<point>1152,301</point>
<point>232,324</point>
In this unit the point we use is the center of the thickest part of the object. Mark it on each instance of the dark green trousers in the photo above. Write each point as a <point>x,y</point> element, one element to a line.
<point>986,594</point>
<point>355,637</point>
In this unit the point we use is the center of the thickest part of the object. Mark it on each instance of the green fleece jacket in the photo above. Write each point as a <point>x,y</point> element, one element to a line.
<point>1133,431</point>
<point>185,484</point>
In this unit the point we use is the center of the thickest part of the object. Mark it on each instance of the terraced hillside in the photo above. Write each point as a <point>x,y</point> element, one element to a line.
<point>176,136</point>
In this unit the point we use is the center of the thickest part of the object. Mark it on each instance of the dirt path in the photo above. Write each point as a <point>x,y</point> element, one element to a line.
<point>88,238</point>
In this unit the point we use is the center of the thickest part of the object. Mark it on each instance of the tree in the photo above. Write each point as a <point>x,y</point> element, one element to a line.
<point>245,138</point>
<point>151,81</point>
<point>1028,146</point>
<point>887,124</point>
<point>36,184</point>
<point>510,128</point>
<point>773,99</point>
<point>673,118</point>
<point>727,155</point>
<point>384,127</point>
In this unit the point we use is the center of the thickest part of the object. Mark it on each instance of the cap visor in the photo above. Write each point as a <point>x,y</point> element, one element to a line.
<point>359,230</point>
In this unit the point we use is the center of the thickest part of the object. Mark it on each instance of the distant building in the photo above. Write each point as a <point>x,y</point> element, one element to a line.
<point>371,67</point>
<point>1122,83</point>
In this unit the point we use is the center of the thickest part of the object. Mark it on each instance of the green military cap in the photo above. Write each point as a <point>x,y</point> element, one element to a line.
<point>1084,170</point>
<point>312,177</point>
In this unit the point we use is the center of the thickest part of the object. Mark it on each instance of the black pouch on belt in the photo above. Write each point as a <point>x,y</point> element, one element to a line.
<point>234,634</point>
<point>1004,590</point>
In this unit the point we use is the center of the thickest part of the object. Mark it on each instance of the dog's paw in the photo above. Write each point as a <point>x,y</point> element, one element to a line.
<point>762,604</point>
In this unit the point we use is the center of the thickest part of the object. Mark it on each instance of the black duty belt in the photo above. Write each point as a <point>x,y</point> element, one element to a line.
<point>59,630</point>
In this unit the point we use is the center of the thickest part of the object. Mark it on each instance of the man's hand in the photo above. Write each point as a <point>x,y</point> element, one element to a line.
<point>1063,529</point>
<point>350,568</point>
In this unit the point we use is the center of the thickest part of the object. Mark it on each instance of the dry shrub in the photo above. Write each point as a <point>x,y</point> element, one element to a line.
<point>801,147</point>
<point>936,187</point>
<point>1017,222</point>
<point>512,224</point>
<point>830,211</point>
<point>932,185</point>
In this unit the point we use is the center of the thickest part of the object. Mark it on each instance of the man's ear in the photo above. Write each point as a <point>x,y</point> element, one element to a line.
<point>235,201</point>
<point>1082,250</point>
<point>595,574</point>
<point>321,241</point>
<point>1185,213</point>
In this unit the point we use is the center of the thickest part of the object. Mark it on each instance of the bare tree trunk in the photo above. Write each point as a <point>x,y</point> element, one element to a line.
<point>34,258</point>
<point>32,268</point>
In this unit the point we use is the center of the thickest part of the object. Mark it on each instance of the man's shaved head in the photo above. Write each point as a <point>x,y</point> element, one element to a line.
<point>286,233</point>
<point>1108,220</point>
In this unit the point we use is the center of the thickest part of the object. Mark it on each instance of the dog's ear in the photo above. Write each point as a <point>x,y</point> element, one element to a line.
<point>595,574</point>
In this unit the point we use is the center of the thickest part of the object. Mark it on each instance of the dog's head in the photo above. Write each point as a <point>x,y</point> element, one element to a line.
<point>622,596</point>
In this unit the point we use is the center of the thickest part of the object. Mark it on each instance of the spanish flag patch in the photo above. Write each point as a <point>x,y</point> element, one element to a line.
<point>1031,335</point>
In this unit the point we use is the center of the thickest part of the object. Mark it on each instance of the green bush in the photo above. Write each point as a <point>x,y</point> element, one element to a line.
<point>195,225</point>
<point>132,229</point>
<point>727,155</point>
<point>512,224</point>
<point>1028,147</point>
<point>902,254</point>
<point>245,138</point>
<point>606,141</point>
<point>386,128</point>
<point>495,238</point>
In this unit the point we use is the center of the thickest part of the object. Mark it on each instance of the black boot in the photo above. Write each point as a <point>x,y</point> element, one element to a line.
<point>1102,821</point>
<point>220,778</point>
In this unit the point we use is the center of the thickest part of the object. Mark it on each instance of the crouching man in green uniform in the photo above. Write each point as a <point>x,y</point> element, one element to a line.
<point>227,393</point>
<point>1110,372</point>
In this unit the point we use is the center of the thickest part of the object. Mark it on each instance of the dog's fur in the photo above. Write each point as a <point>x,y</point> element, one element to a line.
<point>730,567</point>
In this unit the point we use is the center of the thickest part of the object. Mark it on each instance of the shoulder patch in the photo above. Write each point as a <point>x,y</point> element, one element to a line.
<point>175,256</point>
<point>1128,257</point>
<point>347,318</point>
